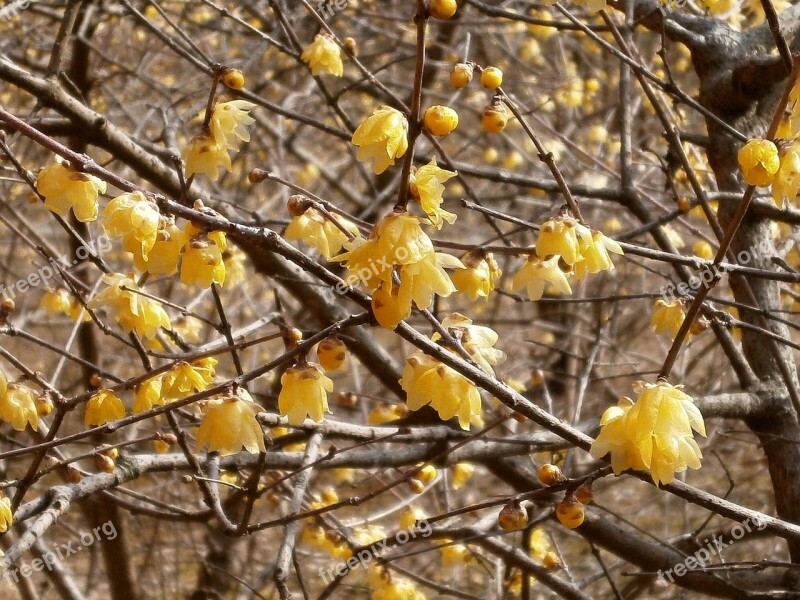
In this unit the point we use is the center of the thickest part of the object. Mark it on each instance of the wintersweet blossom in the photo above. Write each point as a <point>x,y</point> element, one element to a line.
<point>304,392</point>
<point>229,424</point>
<point>536,275</point>
<point>653,434</point>
<point>427,186</point>
<point>64,187</point>
<point>323,55</point>
<point>382,137</point>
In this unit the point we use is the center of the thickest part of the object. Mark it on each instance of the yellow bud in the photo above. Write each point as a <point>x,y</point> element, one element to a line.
<point>551,562</point>
<point>461,75</point>
<point>73,475</point>
<point>104,463</point>
<point>570,512</point>
<point>416,486</point>
<point>551,475</point>
<point>491,78</point>
<point>442,9</point>
<point>44,406</point>
<point>351,46</point>
<point>161,446</point>
<point>512,517</point>
<point>440,120</point>
<point>426,474</point>
<point>584,493</point>
<point>331,353</point>
<point>346,399</point>
<point>234,79</point>
<point>495,117</point>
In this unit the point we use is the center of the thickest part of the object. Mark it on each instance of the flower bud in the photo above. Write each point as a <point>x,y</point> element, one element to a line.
<point>495,117</point>
<point>491,78</point>
<point>233,78</point>
<point>512,517</point>
<point>442,9</point>
<point>551,475</point>
<point>461,75</point>
<point>570,512</point>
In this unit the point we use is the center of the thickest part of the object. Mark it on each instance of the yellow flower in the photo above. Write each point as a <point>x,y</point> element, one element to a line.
<point>185,379</point>
<point>759,161</point>
<point>535,274</point>
<point>148,394</point>
<point>383,136</point>
<point>104,407</point>
<point>135,219</point>
<point>594,249</point>
<point>703,249</point>
<point>668,316</point>
<point>386,413</point>
<point>453,554</point>
<point>6,518</point>
<point>202,262</point>
<point>3,384</point>
<point>391,304</point>
<point>462,473</point>
<point>654,433</point>
<point>230,424</point>
<point>427,187</point>
<point>428,381</point>
<point>304,392</point>
<point>480,277</point>
<point>786,183</point>
<point>477,340</point>
<point>394,587</point>
<point>132,310</point>
<point>560,236</point>
<point>229,121</point>
<point>539,544</point>
<point>319,232</point>
<point>323,55</point>
<point>165,254</point>
<point>60,301</point>
<point>64,188</point>
<point>18,407</point>
<point>205,155</point>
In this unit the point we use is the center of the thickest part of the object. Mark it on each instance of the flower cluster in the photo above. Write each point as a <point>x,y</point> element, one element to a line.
<point>314,228</point>
<point>653,434</point>
<point>564,247</point>
<point>398,264</point>
<point>135,312</point>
